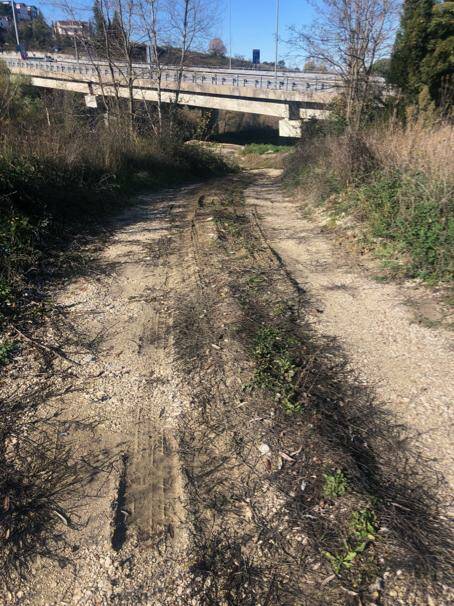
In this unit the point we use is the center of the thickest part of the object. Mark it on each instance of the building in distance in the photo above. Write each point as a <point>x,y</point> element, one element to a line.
<point>71,28</point>
<point>24,12</point>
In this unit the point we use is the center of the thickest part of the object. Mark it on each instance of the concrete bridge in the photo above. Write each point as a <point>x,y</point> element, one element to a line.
<point>289,96</point>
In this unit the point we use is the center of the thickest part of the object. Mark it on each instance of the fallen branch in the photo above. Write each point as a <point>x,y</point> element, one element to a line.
<point>47,348</point>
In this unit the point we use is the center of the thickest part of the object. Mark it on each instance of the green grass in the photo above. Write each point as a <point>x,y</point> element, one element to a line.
<point>264,148</point>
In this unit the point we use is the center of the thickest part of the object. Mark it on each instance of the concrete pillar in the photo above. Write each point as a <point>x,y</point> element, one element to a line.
<point>90,101</point>
<point>290,128</point>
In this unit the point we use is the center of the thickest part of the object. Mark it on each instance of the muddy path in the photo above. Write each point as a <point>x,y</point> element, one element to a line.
<point>213,422</point>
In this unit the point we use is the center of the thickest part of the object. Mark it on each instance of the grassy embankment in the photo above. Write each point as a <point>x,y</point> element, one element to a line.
<point>396,183</point>
<point>60,179</point>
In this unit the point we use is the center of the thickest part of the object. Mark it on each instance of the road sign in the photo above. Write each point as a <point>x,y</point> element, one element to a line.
<point>256,56</point>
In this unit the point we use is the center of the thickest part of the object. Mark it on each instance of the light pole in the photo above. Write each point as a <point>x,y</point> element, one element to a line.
<point>230,35</point>
<point>13,8</point>
<point>76,48</point>
<point>277,38</point>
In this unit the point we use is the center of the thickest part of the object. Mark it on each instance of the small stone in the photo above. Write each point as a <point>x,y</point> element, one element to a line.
<point>264,449</point>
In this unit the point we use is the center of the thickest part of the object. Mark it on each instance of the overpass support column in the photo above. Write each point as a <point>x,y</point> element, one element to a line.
<point>291,126</point>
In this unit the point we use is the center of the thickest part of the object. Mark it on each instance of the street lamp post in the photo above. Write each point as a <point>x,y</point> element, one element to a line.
<point>76,48</point>
<point>277,38</point>
<point>13,8</point>
<point>230,34</point>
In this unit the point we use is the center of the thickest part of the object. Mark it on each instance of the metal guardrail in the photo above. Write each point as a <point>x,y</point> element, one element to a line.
<point>304,83</point>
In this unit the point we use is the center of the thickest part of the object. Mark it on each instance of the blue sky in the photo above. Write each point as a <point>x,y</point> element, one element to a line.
<point>253,23</point>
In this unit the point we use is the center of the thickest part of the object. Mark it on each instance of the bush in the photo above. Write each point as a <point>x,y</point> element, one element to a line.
<point>397,182</point>
<point>49,197</point>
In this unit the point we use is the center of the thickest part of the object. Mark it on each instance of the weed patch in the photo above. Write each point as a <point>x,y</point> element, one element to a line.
<point>7,349</point>
<point>363,530</point>
<point>276,366</point>
<point>334,485</point>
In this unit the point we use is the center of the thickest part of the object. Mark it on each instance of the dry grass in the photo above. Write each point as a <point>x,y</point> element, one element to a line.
<point>397,182</point>
<point>416,147</point>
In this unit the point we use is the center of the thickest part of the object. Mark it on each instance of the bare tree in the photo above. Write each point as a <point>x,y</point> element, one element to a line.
<point>349,36</point>
<point>120,24</point>
<point>102,49</point>
<point>150,23</point>
<point>190,23</point>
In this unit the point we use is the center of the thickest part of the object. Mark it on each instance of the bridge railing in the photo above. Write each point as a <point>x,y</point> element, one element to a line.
<point>303,83</point>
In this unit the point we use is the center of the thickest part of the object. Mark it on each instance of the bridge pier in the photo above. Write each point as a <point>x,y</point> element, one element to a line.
<point>290,128</point>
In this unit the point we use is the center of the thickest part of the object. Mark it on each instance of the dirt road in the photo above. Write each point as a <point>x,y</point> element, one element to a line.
<point>208,412</point>
<point>410,366</point>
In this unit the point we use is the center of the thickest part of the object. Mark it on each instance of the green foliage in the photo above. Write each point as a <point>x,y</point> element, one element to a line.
<point>362,531</point>
<point>405,210</point>
<point>344,559</point>
<point>277,369</point>
<point>423,54</point>
<point>264,148</point>
<point>437,67</point>
<point>6,350</point>
<point>19,101</point>
<point>411,46</point>
<point>34,35</point>
<point>363,525</point>
<point>335,485</point>
<point>382,68</point>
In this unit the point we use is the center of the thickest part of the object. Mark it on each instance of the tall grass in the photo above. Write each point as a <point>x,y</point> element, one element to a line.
<point>60,180</point>
<point>396,181</point>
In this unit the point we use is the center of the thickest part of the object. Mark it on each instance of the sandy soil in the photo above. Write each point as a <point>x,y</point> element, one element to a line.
<point>124,382</point>
<point>410,366</point>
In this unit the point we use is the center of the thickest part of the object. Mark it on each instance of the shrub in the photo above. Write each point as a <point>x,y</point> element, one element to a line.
<point>56,184</point>
<point>398,182</point>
